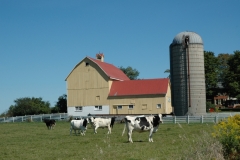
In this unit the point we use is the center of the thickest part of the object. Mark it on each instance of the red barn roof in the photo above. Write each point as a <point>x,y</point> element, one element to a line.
<point>139,87</point>
<point>110,70</point>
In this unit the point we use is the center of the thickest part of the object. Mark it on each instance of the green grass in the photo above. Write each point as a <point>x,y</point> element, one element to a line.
<point>34,141</point>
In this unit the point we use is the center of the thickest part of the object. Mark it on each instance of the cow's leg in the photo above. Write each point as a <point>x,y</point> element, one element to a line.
<point>95,129</point>
<point>70,130</point>
<point>75,131</point>
<point>83,132</point>
<point>109,129</point>
<point>130,136</point>
<point>150,135</point>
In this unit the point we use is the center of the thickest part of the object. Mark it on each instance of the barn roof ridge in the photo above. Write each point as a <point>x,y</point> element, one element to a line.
<point>110,70</point>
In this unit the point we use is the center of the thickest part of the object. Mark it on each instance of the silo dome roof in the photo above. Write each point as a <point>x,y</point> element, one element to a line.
<point>193,38</point>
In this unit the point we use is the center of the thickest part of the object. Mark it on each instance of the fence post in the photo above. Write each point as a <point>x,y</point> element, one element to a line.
<point>188,119</point>
<point>60,117</point>
<point>13,119</point>
<point>4,119</point>
<point>50,116</point>
<point>216,119</point>
<point>22,118</point>
<point>174,120</point>
<point>31,118</point>
<point>202,119</point>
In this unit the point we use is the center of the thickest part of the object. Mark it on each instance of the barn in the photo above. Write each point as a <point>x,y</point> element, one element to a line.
<point>99,88</point>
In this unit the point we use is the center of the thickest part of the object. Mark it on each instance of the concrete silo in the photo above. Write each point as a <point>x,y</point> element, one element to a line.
<point>187,74</point>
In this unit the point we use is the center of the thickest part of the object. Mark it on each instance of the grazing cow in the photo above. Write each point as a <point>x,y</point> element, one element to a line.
<point>102,123</point>
<point>142,124</point>
<point>80,125</point>
<point>50,123</point>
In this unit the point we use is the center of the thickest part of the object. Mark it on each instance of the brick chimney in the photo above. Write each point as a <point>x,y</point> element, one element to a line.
<point>100,56</point>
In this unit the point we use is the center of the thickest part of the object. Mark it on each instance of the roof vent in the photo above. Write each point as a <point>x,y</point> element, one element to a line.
<point>100,56</point>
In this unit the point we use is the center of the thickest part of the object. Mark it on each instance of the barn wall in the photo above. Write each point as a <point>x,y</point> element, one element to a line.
<point>141,104</point>
<point>87,85</point>
<point>168,99</point>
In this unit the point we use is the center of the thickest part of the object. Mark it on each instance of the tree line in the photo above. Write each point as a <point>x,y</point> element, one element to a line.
<point>31,106</point>
<point>222,74</point>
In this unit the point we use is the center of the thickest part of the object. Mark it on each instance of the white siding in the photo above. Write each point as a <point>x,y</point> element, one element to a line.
<point>88,109</point>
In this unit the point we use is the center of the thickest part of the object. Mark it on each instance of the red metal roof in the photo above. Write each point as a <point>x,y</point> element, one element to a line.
<point>111,71</point>
<point>139,87</point>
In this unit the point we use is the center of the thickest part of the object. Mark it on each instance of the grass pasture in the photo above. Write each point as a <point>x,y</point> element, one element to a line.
<point>33,141</point>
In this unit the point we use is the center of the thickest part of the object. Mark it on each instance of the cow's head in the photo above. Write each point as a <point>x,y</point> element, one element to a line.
<point>91,119</point>
<point>87,120</point>
<point>156,121</point>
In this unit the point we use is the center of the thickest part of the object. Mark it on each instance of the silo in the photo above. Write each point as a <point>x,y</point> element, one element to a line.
<point>187,74</point>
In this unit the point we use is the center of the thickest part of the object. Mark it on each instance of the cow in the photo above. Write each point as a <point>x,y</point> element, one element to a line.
<point>50,123</point>
<point>80,125</point>
<point>142,124</point>
<point>102,123</point>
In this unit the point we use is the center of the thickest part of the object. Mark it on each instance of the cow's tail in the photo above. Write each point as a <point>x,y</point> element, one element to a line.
<point>112,122</point>
<point>124,129</point>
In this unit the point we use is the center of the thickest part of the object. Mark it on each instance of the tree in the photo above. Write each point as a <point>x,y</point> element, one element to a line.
<point>232,78</point>
<point>223,66</point>
<point>29,106</point>
<point>130,72</point>
<point>211,65</point>
<point>61,105</point>
<point>168,71</point>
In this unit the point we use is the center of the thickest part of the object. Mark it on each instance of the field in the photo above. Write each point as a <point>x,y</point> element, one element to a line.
<point>34,141</point>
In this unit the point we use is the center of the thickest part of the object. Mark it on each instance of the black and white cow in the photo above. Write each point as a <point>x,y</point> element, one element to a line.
<point>50,123</point>
<point>102,123</point>
<point>142,124</point>
<point>80,125</point>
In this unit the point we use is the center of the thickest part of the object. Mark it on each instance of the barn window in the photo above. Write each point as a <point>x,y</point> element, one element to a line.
<point>78,108</point>
<point>144,106</point>
<point>119,107</point>
<point>98,108</point>
<point>130,107</point>
<point>87,64</point>
<point>159,106</point>
<point>97,98</point>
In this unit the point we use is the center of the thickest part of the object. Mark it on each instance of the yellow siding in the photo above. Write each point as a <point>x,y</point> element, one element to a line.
<point>150,102</point>
<point>85,83</point>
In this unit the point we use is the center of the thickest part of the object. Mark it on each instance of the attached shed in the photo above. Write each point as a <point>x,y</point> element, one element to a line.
<point>96,87</point>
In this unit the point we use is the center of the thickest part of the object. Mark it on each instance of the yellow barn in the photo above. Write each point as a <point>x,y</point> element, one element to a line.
<point>98,88</point>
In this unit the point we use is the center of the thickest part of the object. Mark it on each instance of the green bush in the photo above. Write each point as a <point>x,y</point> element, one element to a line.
<point>228,133</point>
<point>209,105</point>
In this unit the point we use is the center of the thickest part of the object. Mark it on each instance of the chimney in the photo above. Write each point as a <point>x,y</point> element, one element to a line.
<point>100,56</point>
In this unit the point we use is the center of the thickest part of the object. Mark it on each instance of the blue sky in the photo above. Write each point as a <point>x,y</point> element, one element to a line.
<point>42,40</point>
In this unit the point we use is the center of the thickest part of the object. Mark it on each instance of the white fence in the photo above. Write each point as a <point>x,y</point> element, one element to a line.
<point>208,118</point>
<point>35,118</point>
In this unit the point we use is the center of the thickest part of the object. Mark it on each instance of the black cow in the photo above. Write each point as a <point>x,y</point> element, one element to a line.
<point>50,123</point>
